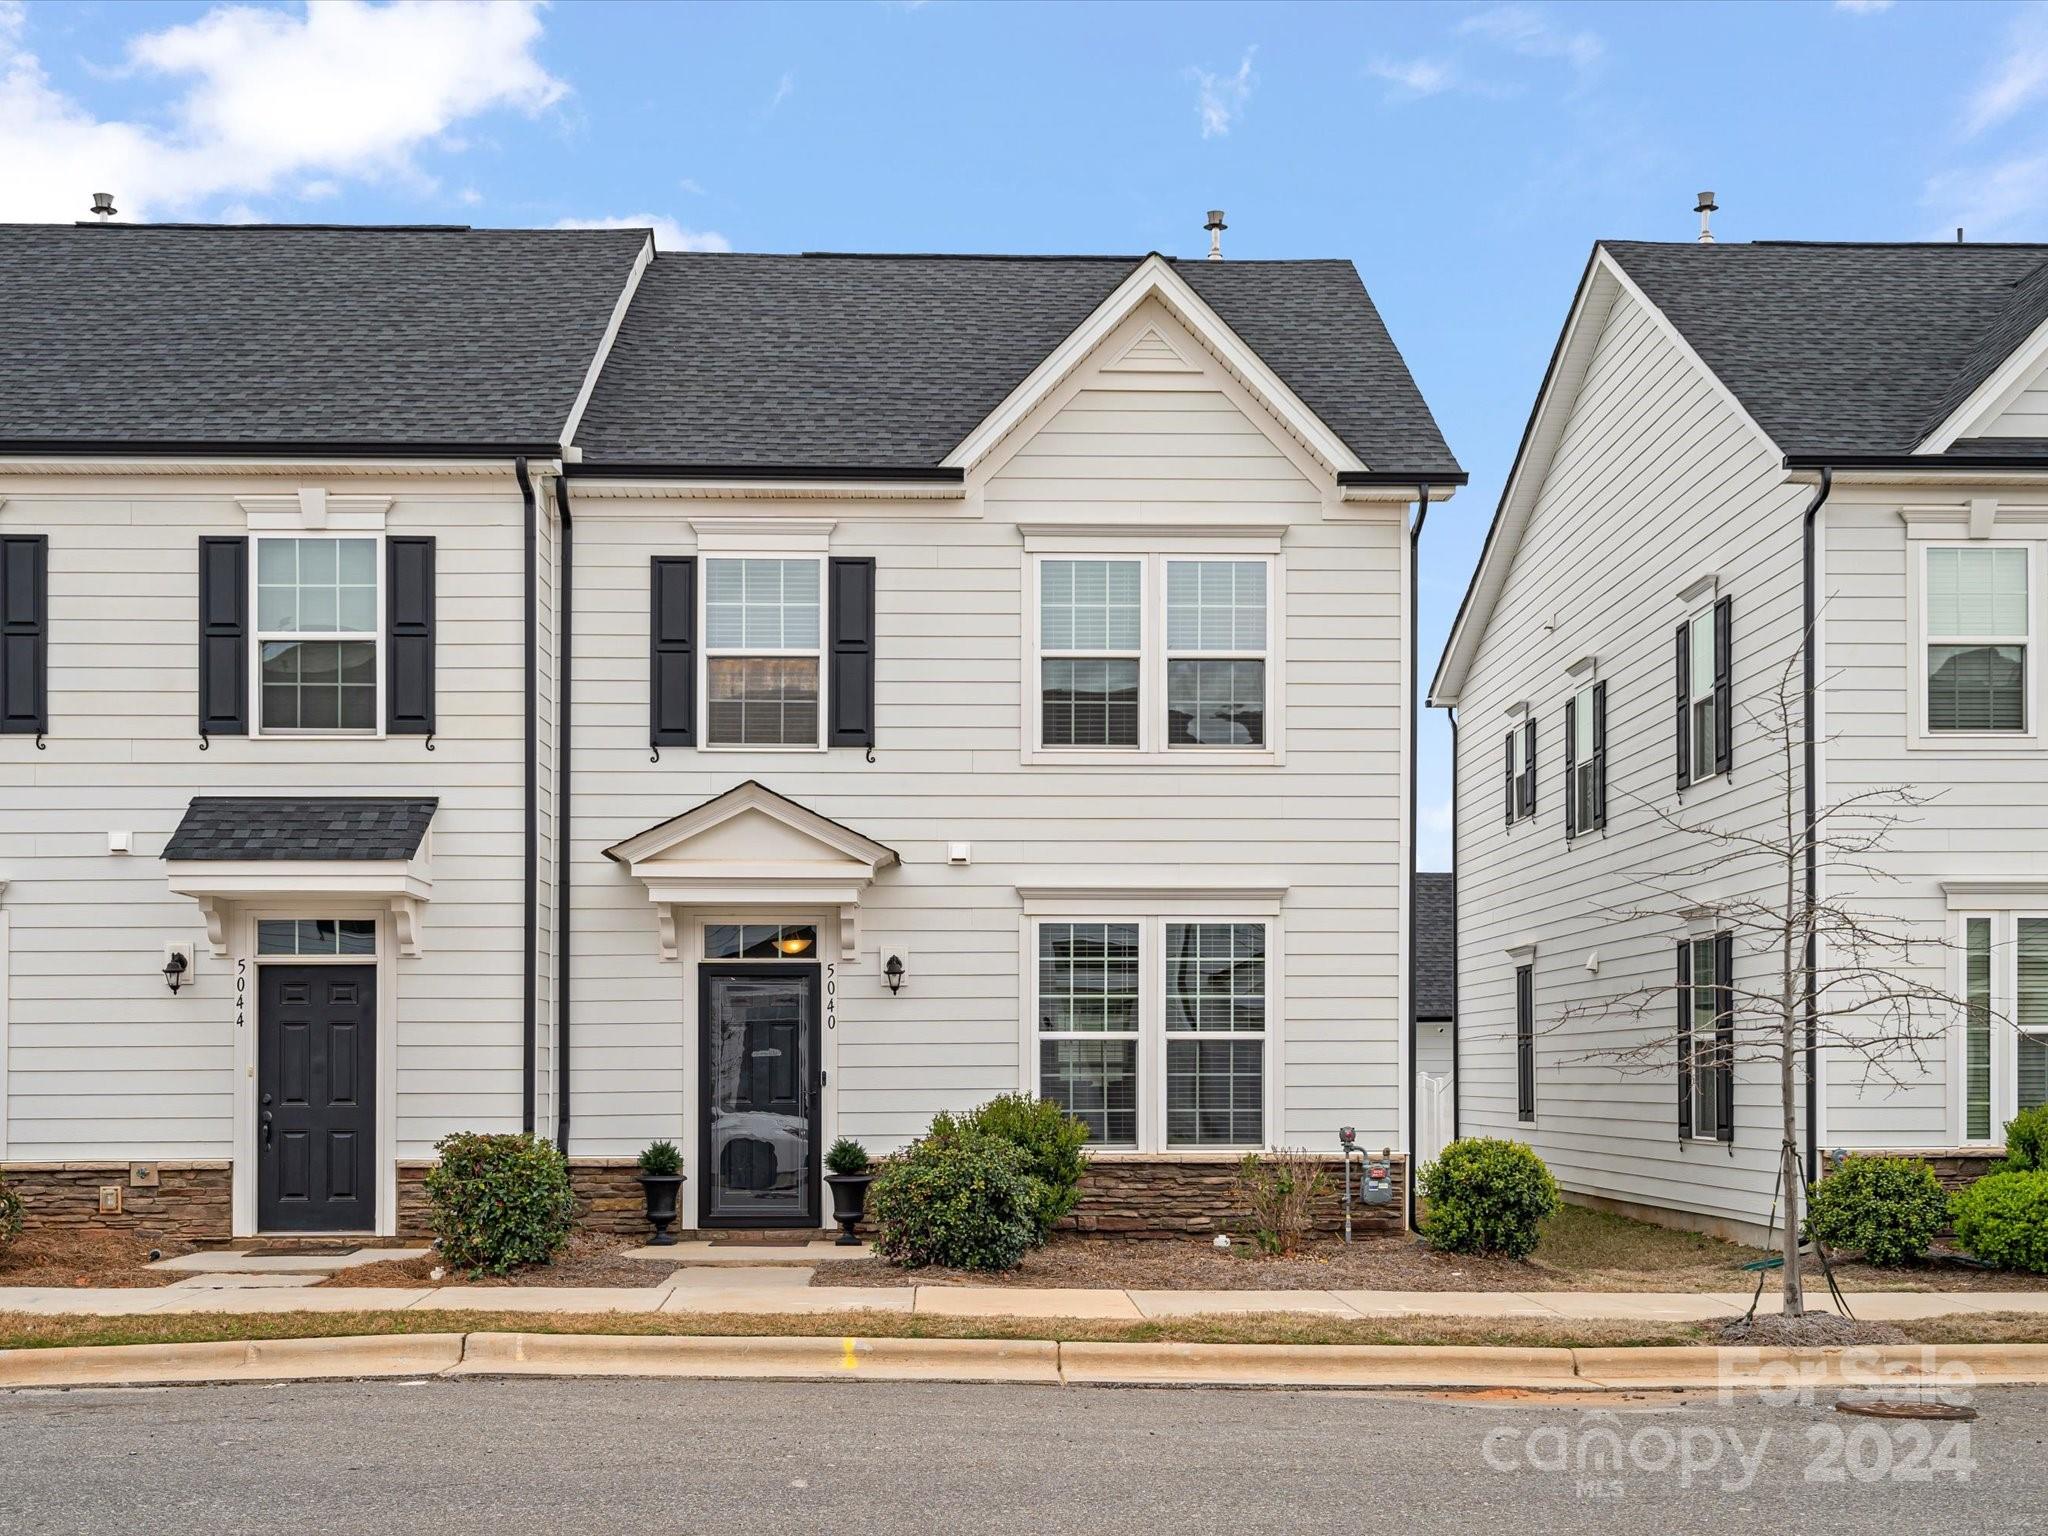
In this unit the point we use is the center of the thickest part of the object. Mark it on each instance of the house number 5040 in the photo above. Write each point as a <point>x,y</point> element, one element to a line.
<point>831,994</point>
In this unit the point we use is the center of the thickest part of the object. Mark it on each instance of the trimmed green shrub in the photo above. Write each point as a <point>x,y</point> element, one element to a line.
<point>2026,1141</point>
<point>10,1216</point>
<point>1050,1139</point>
<point>1885,1208</point>
<point>1486,1196</point>
<point>847,1156</point>
<point>499,1201</point>
<point>2002,1219</point>
<point>662,1160</point>
<point>960,1201</point>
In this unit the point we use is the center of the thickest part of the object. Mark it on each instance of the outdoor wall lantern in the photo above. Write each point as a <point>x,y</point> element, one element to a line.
<point>892,973</point>
<point>175,966</point>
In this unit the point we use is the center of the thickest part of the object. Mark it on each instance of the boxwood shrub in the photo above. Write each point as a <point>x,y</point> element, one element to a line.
<point>1050,1139</point>
<point>2003,1220</point>
<point>1485,1195</point>
<point>961,1200</point>
<point>10,1216</point>
<point>2026,1141</point>
<point>499,1201</point>
<point>1885,1208</point>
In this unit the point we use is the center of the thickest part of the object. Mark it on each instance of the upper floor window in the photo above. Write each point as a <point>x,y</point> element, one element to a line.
<point>1521,772</point>
<point>1978,623</point>
<point>318,636</point>
<point>1585,760</point>
<point>1154,654</point>
<point>1091,628</point>
<point>763,653</point>
<point>1705,693</point>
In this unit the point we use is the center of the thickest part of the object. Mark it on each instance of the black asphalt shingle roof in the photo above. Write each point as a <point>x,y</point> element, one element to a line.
<point>347,827</point>
<point>888,362</point>
<point>141,333</point>
<point>1846,349</point>
<point>1436,945</point>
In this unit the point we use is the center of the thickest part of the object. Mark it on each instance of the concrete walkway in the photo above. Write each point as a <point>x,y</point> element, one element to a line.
<point>720,1280</point>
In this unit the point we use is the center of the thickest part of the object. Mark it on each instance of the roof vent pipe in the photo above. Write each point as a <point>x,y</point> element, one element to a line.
<point>1215,226</point>
<point>103,206</point>
<point>1706,208</point>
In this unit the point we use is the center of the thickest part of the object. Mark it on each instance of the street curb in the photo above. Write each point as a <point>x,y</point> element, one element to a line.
<point>1041,1361</point>
<point>397,1354</point>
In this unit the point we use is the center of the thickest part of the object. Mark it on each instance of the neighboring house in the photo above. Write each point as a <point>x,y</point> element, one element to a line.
<point>1703,403</point>
<point>938,677</point>
<point>1436,1012</point>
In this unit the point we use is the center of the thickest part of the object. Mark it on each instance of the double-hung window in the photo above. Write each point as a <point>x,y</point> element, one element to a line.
<point>1154,1031</point>
<point>2005,1020</point>
<point>763,653</point>
<point>319,635</point>
<point>1706,1038</point>
<point>1978,621</point>
<point>1154,655</point>
<point>1216,653</point>
<point>1705,693</point>
<point>1521,772</point>
<point>1091,626</point>
<point>1585,760</point>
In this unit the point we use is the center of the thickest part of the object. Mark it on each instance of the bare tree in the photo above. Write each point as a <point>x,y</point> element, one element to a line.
<point>1871,1001</point>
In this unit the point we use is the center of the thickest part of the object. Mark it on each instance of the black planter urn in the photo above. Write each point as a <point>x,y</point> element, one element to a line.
<point>849,1203</point>
<point>661,1190</point>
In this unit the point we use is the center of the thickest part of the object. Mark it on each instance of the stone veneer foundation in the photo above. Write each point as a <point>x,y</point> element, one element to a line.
<point>191,1202</point>
<point>1137,1198</point>
<point>608,1197</point>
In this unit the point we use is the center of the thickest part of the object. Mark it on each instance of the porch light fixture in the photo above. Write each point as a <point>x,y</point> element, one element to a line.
<point>892,973</point>
<point>793,943</point>
<point>174,970</point>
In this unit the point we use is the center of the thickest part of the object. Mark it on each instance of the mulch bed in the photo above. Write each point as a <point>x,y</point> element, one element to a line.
<point>1370,1264</point>
<point>1815,1330</point>
<point>588,1261</point>
<point>52,1256</point>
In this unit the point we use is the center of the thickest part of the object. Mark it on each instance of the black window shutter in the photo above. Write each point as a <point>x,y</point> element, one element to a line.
<point>1684,995</point>
<point>1724,1034</point>
<point>1511,777</point>
<point>24,634</point>
<point>1684,705</point>
<point>1600,754</point>
<point>1529,766</point>
<point>1571,761</point>
<point>672,677</point>
<point>1525,1042</point>
<point>409,636</point>
<point>1724,684</point>
<point>853,652</point>
<point>223,636</point>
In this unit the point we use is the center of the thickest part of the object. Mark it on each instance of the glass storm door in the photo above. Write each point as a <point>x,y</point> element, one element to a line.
<point>759,1149</point>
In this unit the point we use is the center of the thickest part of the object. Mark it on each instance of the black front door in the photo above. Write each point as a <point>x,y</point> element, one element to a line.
<point>759,1149</point>
<point>316,1098</point>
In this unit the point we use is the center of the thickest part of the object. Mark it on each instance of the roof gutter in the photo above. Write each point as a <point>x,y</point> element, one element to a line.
<point>1422,489</point>
<point>1921,463</point>
<point>1809,683</point>
<point>208,448</point>
<point>1428,479</point>
<point>932,473</point>
<point>530,817</point>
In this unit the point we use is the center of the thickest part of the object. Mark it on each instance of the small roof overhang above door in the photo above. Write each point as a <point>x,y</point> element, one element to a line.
<point>752,848</point>
<point>266,850</point>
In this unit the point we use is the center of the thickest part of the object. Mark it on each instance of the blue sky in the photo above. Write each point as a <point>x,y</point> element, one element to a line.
<point>1464,155</point>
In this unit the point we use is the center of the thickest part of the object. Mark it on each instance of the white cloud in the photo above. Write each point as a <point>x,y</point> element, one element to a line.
<point>268,100</point>
<point>691,185</point>
<point>1863,7</point>
<point>2006,198</point>
<point>2021,77</point>
<point>784,89</point>
<point>1528,31</point>
<point>668,234</point>
<point>1220,100</point>
<point>1415,77</point>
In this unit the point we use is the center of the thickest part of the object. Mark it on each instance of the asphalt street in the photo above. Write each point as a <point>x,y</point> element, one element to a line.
<point>539,1456</point>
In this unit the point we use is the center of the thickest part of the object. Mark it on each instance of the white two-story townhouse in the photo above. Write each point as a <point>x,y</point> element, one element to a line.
<point>940,676</point>
<point>1732,438</point>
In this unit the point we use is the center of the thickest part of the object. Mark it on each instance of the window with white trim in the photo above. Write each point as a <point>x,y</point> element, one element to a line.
<point>1153,1032</point>
<point>1216,653</point>
<point>1977,620</point>
<point>1091,622</point>
<point>763,651</point>
<point>316,938</point>
<point>319,635</point>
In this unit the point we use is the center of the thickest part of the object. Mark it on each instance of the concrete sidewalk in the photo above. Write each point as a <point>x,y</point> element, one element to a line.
<point>737,1287</point>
